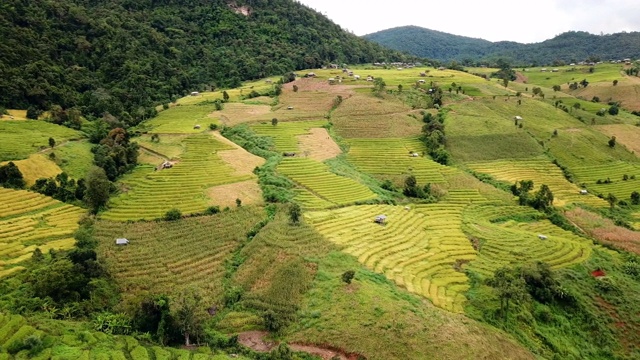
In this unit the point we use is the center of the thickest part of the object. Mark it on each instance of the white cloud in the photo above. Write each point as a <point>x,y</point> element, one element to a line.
<point>495,20</point>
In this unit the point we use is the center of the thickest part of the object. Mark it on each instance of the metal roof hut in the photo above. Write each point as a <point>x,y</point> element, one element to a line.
<point>380,219</point>
<point>122,241</point>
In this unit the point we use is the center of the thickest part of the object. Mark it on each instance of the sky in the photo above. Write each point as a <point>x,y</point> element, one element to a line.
<point>494,20</point>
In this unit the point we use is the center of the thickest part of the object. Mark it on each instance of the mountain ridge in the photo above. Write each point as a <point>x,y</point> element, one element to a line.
<point>571,46</point>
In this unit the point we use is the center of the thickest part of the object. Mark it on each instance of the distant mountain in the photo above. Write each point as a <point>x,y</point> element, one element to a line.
<point>571,46</point>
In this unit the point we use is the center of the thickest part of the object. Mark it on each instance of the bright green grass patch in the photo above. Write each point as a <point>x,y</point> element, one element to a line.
<point>513,242</point>
<point>29,220</point>
<point>182,120</point>
<point>392,157</point>
<point>571,74</point>
<point>149,194</point>
<point>316,178</point>
<point>540,171</point>
<point>165,256</point>
<point>285,134</point>
<point>19,139</point>
<point>493,147</point>
<point>74,158</point>
<point>169,146</point>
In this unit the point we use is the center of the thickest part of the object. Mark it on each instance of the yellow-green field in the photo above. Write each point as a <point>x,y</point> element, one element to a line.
<point>285,135</point>
<point>318,182</point>
<point>19,139</point>
<point>149,194</point>
<point>29,221</point>
<point>540,171</point>
<point>35,167</point>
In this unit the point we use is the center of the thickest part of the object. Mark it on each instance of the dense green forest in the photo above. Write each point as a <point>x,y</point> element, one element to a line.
<point>124,57</point>
<point>568,47</point>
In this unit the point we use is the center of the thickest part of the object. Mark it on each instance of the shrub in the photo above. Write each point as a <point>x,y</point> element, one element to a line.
<point>213,126</point>
<point>172,215</point>
<point>211,210</point>
<point>348,275</point>
<point>272,321</point>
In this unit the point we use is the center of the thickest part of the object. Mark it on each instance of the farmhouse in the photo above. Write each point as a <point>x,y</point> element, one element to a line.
<point>289,107</point>
<point>357,77</point>
<point>415,154</point>
<point>332,81</point>
<point>380,219</point>
<point>288,154</point>
<point>122,241</point>
<point>442,68</point>
<point>311,74</point>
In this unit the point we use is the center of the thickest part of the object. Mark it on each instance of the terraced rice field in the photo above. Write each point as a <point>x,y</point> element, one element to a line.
<point>317,180</point>
<point>391,158</point>
<point>149,194</point>
<point>615,172</point>
<point>30,220</point>
<point>182,119</point>
<point>20,139</point>
<point>285,134</point>
<point>540,171</point>
<point>504,242</point>
<point>35,167</point>
<point>417,248</point>
<point>163,256</point>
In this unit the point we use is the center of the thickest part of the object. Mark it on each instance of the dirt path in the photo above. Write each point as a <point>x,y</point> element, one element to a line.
<point>521,78</point>
<point>255,340</point>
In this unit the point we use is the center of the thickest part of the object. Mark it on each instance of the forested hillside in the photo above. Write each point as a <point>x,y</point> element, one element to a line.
<point>124,57</point>
<point>569,47</point>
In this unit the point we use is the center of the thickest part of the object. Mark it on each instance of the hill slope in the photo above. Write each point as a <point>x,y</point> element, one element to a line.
<point>571,46</point>
<point>125,57</point>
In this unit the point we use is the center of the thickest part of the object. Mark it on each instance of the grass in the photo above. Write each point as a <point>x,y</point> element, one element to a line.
<point>165,256</point>
<point>604,230</point>
<point>316,178</point>
<point>149,194</point>
<point>74,158</point>
<point>30,220</point>
<point>570,74</point>
<point>20,139</point>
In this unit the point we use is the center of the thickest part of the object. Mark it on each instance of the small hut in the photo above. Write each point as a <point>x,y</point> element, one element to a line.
<point>122,241</point>
<point>380,219</point>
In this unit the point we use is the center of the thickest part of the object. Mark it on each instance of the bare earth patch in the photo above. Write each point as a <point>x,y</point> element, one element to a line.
<point>605,230</point>
<point>236,113</point>
<point>318,145</point>
<point>626,135</point>
<point>225,195</point>
<point>256,341</point>
<point>242,161</point>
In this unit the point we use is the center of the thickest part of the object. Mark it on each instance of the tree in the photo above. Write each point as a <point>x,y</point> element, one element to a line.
<point>32,113</point>
<point>635,198</point>
<point>536,90</point>
<point>155,138</point>
<point>225,96</point>
<point>189,313</point>
<point>218,104</point>
<point>556,88</point>
<point>238,202</point>
<point>613,110</point>
<point>615,82</point>
<point>348,275</point>
<point>11,177</point>
<point>543,198</point>
<point>612,142</point>
<point>294,213</point>
<point>97,190</point>
<point>612,199</point>
<point>399,87</point>
<point>584,83</point>
<point>509,287</point>
<point>274,121</point>
<point>173,215</point>
<point>505,81</point>
<point>295,88</point>
<point>378,85</point>
<point>52,142</point>
<point>410,186</point>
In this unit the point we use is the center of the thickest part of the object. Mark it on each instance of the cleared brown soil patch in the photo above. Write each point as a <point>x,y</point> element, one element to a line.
<point>627,92</point>
<point>310,84</point>
<point>605,230</point>
<point>521,78</point>
<point>225,195</point>
<point>627,135</point>
<point>242,161</point>
<point>256,340</point>
<point>318,145</point>
<point>237,113</point>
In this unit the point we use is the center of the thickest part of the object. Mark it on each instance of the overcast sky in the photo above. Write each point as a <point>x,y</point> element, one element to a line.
<point>494,20</point>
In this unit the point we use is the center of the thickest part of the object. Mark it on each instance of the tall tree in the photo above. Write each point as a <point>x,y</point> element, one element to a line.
<point>189,313</point>
<point>97,190</point>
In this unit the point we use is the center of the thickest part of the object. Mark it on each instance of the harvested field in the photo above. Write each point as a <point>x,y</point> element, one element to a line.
<point>626,135</point>
<point>605,230</point>
<point>35,167</point>
<point>318,145</point>
<point>242,161</point>
<point>237,113</point>
<point>225,195</point>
